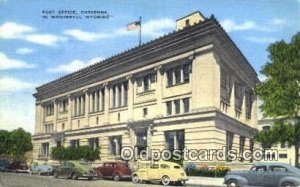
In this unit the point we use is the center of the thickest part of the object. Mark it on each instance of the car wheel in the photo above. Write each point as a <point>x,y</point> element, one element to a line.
<point>135,179</point>
<point>90,178</point>
<point>288,184</point>
<point>116,177</point>
<point>232,183</point>
<point>55,175</point>
<point>74,176</point>
<point>165,180</point>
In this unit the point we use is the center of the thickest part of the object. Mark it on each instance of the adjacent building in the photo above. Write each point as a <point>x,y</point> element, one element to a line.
<point>190,88</point>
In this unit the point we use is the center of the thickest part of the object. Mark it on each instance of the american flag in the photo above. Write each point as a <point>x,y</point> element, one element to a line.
<point>134,26</point>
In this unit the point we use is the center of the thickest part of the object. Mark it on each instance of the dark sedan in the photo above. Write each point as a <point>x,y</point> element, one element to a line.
<point>114,170</point>
<point>266,175</point>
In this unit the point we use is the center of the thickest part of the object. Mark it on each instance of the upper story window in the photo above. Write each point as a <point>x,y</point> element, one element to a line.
<point>74,143</point>
<point>178,106</point>
<point>97,100</point>
<point>249,101</point>
<point>178,75</point>
<point>63,105</point>
<point>146,83</point>
<point>225,81</point>
<point>48,128</point>
<point>120,95</point>
<point>238,92</point>
<point>50,109</point>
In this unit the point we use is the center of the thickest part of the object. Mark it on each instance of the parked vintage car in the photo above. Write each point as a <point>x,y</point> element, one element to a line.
<point>74,170</point>
<point>43,169</point>
<point>114,170</point>
<point>18,166</point>
<point>4,165</point>
<point>265,174</point>
<point>162,171</point>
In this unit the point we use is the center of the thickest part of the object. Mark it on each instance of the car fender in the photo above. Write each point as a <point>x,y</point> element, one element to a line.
<point>294,180</point>
<point>242,181</point>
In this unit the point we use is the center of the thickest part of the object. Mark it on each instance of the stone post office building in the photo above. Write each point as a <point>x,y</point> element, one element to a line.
<point>190,88</point>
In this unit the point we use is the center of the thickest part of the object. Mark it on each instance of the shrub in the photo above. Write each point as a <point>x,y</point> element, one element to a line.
<point>205,171</point>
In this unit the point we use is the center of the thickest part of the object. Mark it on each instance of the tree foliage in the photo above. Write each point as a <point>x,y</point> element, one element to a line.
<point>280,93</point>
<point>74,153</point>
<point>14,144</point>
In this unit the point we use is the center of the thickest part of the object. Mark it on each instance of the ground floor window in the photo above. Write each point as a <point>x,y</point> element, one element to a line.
<point>174,140</point>
<point>94,143</point>
<point>45,150</point>
<point>141,140</point>
<point>74,143</point>
<point>229,142</point>
<point>115,145</point>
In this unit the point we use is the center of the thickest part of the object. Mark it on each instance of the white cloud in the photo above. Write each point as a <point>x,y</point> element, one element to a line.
<point>11,30</point>
<point>24,51</point>
<point>278,21</point>
<point>44,39</point>
<point>157,27</point>
<point>10,84</point>
<point>85,36</point>
<point>152,28</point>
<point>261,39</point>
<point>9,63</point>
<point>230,25</point>
<point>73,66</point>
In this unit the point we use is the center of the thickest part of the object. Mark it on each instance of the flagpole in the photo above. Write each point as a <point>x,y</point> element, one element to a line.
<point>140,32</point>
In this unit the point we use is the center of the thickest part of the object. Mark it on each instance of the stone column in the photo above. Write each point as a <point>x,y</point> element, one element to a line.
<point>117,96</point>
<point>243,116</point>
<point>122,94</point>
<point>96,100</point>
<point>130,96</point>
<point>107,100</point>
<point>86,107</point>
<point>77,106</point>
<point>70,109</point>
<point>55,114</point>
<point>159,91</point>
<point>231,110</point>
<point>91,102</point>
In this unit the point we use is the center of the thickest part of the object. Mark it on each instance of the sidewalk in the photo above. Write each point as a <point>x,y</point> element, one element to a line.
<point>205,181</point>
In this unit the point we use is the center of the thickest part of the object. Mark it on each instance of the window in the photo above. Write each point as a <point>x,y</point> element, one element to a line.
<point>119,116</point>
<point>119,95</point>
<point>278,168</point>
<point>114,97</point>
<point>125,94</point>
<point>154,166</point>
<point>94,143</point>
<point>177,106</point>
<point>186,73</point>
<point>164,166</point>
<point>45,150</point>
<point>63,105</point>
<point>145,112</point>
<point>186,105</point>
<point>175,140</point>
<point>97,120</point>
<point>115,145</point>
<point>102,99</point>
<point>187,22</point>
<point>50,109</point>
<point>48,128</point>
<point>169,107</point>
<point>63,126</point>
<point>225,80</point>
<point>178,75</point>
<point>74,143</point>
<point>141,140</point>
<point>259,168</point>
<point>146,83</point>
<point>170,77</point>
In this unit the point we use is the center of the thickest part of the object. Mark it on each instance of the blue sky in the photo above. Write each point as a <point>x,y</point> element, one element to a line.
<point>35,50</point>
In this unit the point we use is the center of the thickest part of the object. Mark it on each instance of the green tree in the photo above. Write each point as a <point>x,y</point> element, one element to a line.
<point>4,143</point>
<point>280,93</point>
<point>19,143</point>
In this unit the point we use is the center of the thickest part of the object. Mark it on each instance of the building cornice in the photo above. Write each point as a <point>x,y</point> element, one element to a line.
<point>168,46</point>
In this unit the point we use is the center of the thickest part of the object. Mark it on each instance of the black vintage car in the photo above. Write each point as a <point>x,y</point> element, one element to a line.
<point>74,170</point>
<point>265,174</point>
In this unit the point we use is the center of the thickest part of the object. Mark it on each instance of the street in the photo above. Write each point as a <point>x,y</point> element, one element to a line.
<point>26,180</point>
